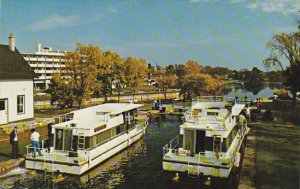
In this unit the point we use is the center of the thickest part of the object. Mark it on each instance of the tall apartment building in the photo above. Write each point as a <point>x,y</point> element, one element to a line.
<point>45,62</point>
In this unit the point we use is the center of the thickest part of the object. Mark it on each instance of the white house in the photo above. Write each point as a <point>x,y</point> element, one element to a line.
<point>16,85</point>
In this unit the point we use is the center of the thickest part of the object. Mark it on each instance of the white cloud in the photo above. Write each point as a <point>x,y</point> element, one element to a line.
<point>53,21</point>
<point>252,5</point>
<point>236,1</point>
<point>113,10</point>
<point>281,6</point>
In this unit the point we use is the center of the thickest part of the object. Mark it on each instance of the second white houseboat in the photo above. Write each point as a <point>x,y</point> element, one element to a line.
<point>84,138</point>
<point>210,139</point>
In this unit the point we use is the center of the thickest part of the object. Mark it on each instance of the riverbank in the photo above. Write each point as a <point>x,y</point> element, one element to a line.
<point>273,148</point>
<point>24,140</point>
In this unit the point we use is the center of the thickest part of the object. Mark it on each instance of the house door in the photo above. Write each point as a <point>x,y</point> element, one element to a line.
<point>3,111</point>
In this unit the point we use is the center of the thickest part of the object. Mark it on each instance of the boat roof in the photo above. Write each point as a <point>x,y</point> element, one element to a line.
<point>213,122</point>
<point>89,118</point>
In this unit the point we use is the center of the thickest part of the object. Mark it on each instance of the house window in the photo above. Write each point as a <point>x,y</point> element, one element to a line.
<point>20,104</point>
<point>2,105</point>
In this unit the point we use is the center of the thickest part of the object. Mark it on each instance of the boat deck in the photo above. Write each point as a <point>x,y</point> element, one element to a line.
<point>57,158</point>
<point>209,159</point>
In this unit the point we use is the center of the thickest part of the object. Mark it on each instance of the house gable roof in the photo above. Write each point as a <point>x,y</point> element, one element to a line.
<point>13,65</point>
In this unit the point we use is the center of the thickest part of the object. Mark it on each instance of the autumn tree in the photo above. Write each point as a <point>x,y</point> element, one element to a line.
<point>79,78</point>
<point>285,53</point>
<point>193,67</point>
<point>106,72</point>
<point>170,69</point>
<point>119,73</point>
<point>199,84</point>
<point>136,71</point>
<point>181,70</point>
<point>166,80</point>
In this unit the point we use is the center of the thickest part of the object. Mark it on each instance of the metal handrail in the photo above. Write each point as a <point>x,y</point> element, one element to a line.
<point>63,118</point>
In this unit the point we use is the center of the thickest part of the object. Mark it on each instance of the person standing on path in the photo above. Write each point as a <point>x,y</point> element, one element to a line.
<point>13,139</point>
<point>35,138</point>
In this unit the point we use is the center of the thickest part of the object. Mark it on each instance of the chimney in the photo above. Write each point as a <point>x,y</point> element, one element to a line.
<point>11,42</point>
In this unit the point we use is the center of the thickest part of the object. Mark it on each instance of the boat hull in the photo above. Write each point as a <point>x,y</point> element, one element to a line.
<point>202,169</point>
<point>97,156</point>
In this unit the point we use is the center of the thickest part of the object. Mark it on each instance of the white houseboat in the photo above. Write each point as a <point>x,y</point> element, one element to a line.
<point>210,139</point>
<point>82,139</point>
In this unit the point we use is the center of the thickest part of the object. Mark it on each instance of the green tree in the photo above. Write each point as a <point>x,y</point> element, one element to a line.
<point>286,47</point>
<point>170,69</point>
<point>61,92</point>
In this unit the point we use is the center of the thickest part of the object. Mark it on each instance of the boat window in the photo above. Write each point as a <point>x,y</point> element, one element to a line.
<point>88,142</point>
<point>74,143</point>
<point>58,139</point>
<point>94,143</point>
<point>196,112</point>
<point>225,145</point>
<point>102,116</point>
<point>217,144</point>
<point>212,113</point>
<point>123,128</point>
<point>67,138</point>
<point>189,140</point>
<point>118,128</point>
<point>131,116</point>
<point>113,131</point>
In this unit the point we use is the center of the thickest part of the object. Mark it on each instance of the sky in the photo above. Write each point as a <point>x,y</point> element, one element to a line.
<point>227,33</point>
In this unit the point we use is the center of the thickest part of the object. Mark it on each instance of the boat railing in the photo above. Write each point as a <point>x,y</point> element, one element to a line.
<point>51,154</point>
<point>202,157</point>
<point>63,118</point>
<point>174,143</point>
<point>229,99</point>
<point>165,149</point>
<point>209,99</point>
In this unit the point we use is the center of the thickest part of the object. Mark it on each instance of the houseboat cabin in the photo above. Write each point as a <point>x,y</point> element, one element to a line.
<point>82,139</point>
<point>210,139</point>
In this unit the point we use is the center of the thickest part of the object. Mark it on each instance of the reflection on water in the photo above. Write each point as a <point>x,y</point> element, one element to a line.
<point>240,89</point>
<point>139,166</point>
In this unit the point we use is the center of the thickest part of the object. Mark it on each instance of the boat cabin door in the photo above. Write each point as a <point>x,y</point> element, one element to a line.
<point>63,139</point>
<point>217,144</point>
<point>200,141</point>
